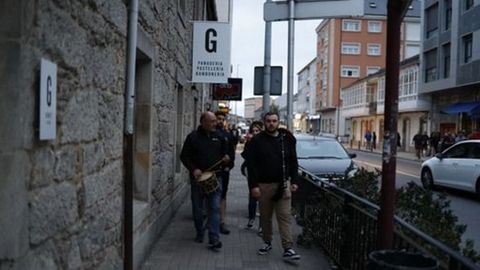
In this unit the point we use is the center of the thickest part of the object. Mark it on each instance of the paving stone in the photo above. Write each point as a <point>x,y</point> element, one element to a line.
<point>175,249</point>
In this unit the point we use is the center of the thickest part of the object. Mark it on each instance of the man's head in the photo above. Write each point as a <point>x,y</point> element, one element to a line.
<point>220,119</point>
<point>271,122</point>
<point>208,121</point>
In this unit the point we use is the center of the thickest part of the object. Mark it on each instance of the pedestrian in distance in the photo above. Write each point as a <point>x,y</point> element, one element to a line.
<point>273,167</point>
<point>225,173</point>
<point>418,143</point>
<point>374,140</point>
<point>368,139</point>
<point>202,150</point>
<point>255,128</point>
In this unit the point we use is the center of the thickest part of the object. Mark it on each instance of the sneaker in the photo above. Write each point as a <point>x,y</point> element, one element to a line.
<point>250,223</point>
<point>223,229</point>
<point>260,233</point>
<point>199,238</point>
<point>290,255</point>
<point>267,246</point>
<point>214,244</point>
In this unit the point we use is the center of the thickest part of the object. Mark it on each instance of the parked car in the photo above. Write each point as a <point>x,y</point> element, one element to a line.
<point>456,167</point>
<point>324,157</point>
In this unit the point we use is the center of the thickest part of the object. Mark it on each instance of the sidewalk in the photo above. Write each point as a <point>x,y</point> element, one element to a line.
<point>400,154</point>
<point>175,249</point>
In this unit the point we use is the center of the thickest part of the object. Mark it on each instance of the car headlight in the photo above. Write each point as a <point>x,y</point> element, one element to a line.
<point>353,171</point>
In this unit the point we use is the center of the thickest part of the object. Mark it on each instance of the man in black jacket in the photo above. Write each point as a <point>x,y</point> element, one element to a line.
<point>203,148</point>
<point>273,168</point>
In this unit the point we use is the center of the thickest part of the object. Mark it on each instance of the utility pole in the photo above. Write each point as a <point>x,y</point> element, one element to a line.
<point>291,41</point>
<point>396,10</point>
<point>267,66</point>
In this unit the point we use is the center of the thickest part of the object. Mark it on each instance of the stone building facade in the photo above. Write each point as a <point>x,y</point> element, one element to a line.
<point>62,200</point>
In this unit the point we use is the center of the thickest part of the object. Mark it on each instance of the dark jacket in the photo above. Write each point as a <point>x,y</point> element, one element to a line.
<point>201,150</point>
<point>265,158</point>
<point>227,137</point>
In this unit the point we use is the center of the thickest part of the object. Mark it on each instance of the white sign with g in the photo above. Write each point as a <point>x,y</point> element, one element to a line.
<point>48,100</point>
<point>211,52</point>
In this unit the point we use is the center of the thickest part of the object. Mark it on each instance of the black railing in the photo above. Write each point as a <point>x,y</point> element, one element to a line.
<point>346,227</point>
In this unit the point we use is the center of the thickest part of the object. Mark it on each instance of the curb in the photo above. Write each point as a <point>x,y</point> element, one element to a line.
<point>379,153</point>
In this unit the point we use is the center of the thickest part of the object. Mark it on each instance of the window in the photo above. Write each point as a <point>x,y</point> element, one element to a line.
<point>371,70</point>
<point>431,65</point>
<point>373,49</point>
<point>446,60</point>
<point>467,48</point>
<point>350,48</point>
<point>468,4</point>
<point>374,27</point>
<point>351,25</point>
<point>448,14</point>
<point>351,71</point>
<point>411,50</point>
<point>431,15</point>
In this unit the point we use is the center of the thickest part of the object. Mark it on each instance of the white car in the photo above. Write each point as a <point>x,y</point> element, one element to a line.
<point>457,167</point>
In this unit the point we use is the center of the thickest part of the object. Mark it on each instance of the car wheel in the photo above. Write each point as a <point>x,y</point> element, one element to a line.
<point>427,178</point>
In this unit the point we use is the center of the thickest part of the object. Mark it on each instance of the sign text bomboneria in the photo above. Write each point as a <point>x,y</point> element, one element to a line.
<point>211,52</point>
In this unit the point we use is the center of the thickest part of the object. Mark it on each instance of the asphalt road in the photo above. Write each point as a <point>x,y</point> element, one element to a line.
<point>464,205</point>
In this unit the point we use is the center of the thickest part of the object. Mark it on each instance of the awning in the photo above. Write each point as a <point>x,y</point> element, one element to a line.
<point>464,107</point>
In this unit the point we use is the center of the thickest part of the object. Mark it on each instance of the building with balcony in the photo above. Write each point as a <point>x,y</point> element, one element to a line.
<point>251,106</point>
<point>363,105</point>
<point>353,48</point>
<point>450,61</point>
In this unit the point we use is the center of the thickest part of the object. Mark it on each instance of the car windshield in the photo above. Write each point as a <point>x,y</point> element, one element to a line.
<point>320,149</point>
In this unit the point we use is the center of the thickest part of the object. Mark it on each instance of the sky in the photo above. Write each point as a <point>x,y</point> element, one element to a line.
<point>248,34</point>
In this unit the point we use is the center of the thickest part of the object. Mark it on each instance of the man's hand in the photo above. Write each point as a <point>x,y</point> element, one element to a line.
<point>256,193</point>
<point>196,173</point>
<point>293,187</point>
<point>226,159</point>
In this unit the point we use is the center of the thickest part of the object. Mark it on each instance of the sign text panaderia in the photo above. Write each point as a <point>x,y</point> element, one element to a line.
<point>211,52</point>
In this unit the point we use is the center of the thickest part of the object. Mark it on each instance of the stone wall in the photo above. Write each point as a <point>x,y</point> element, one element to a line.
<point>61,200</point>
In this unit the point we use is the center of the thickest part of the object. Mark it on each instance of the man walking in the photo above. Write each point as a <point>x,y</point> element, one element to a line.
<point>273,168</point>
<point>225,173</point>
<point>203,148</point>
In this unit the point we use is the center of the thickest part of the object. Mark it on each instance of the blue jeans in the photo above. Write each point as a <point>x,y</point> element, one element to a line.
<point>212,202</point>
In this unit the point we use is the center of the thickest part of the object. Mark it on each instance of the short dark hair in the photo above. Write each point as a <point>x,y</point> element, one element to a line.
<point>269,114</point>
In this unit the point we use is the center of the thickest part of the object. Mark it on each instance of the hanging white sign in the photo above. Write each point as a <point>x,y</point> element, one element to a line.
<point>211,52</point>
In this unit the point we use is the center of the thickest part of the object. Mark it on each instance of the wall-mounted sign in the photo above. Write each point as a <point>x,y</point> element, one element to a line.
<point>211,52</point>
<point>228,91</point>
<point>48,100</point>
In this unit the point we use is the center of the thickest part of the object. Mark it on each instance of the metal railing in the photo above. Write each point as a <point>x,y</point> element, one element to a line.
<point>346,227</point>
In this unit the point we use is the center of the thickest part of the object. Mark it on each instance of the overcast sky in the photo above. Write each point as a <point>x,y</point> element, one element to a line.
<point>248,34</point>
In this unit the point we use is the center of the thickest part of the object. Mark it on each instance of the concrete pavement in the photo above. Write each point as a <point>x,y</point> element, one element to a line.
<point>175,249</point>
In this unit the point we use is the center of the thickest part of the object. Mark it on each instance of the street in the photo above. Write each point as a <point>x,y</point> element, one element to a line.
<point>464,204</point>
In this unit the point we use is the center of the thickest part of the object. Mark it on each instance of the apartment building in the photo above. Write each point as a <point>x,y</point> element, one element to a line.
<point>450,62</point>
<point>363,106</point>
<point>304,107</point>
<point>252,105</point>
<point>352,48</point>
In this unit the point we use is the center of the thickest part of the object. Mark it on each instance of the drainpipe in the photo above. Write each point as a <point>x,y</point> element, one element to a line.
<point>128,137</point>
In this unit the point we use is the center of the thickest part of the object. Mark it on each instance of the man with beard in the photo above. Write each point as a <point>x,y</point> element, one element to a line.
<point>225,173</point>
<point>203,148</point>
<point>274,172</point>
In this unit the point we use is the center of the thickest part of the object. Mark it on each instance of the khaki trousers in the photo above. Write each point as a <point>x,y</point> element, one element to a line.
<point>282,212</point>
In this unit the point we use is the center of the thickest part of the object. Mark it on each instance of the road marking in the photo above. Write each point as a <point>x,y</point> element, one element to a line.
<point>380,167</point>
